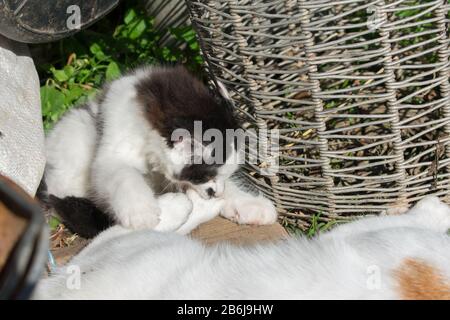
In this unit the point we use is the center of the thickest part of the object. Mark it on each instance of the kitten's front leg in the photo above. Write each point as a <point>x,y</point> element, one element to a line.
<point>124,190</point>
<point>246,208</point>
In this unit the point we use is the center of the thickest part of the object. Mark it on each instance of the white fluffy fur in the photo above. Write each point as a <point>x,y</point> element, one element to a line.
<point>125,264</point>
<point>115,168</point>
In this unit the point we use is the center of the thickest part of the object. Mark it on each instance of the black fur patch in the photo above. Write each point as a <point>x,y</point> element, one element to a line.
<point>81,216</point>
<point>174,99</point>
<point>198,173</point>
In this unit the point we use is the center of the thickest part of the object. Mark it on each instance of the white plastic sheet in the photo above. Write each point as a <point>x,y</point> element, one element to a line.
<point>22,155</point>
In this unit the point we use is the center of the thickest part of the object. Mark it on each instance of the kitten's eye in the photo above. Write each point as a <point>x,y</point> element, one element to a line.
<point>198,180</point>
<point>201,180</point>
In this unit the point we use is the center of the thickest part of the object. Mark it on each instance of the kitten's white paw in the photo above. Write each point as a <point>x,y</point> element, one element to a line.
<point>210,207</point>
<point>203,210</point>
<point>175,210</point>
<point>139,216</point>
<point>250,210</point>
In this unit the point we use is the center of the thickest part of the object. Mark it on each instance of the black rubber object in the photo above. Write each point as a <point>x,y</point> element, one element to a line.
<point>26,262</point>
<point>36,21</point>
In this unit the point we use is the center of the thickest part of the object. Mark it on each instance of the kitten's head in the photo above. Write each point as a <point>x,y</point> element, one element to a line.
<point>197,165</point>
<point>201,152</point>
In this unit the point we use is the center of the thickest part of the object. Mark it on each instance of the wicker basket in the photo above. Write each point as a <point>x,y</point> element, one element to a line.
<point>358,90</point>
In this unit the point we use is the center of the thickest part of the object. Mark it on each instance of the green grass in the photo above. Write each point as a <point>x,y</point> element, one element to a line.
<point>316,227</point>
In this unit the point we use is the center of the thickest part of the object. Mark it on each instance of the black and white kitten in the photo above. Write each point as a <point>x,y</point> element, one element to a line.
<point>117,155</point>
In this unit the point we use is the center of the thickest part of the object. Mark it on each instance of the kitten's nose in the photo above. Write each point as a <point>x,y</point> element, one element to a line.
<point>210,192</point>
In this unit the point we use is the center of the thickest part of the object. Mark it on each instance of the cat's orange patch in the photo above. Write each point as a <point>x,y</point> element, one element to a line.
<point>418,280</point>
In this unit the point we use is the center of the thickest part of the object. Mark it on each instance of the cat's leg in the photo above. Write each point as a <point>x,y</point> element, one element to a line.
<point>203,210</point>
<point>123,188</point>
<point>429,213</point>
<point>70,147</point>
<point>246,207</point>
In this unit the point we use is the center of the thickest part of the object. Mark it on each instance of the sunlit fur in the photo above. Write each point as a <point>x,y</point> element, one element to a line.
<point>359,260</point>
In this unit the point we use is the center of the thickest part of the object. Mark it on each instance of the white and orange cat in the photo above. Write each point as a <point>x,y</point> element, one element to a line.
<point>388,257</point>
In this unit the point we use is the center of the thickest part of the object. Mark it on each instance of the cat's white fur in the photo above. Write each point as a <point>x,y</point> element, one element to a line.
<point>354,261</point>
<point>115,168</point>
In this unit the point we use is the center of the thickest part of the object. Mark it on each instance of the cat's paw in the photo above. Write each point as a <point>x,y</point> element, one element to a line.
<point>175,209</point>
<point>210,207</point>
<point>203,210</point>
<point>250,210</point>
<point>139,216</point>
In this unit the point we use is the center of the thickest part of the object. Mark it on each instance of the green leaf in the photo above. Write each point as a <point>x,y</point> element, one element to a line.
<point>53,223</point>
<point>189,35</point>
<point>183,33</point>
<point>138,29</point>
<point>198,60</point>
<point>52,100</point>
<point>60,75</point>
<point>186,34</point>
<point>194,46</point>
<point>73,94</point>
<point>69,71</point>
<point>95,48</point>
<point>97,51</point>
<point>129,16</point>
<point>98,79</point>
<point>113,71</point>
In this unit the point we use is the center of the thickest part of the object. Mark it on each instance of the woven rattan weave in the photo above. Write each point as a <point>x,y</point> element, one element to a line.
<point>358,90</point>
